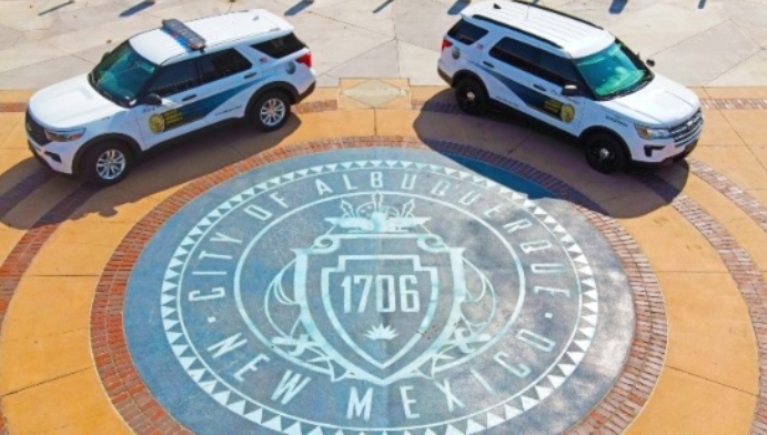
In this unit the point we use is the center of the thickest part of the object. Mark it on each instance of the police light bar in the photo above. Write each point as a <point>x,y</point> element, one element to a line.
<point>183,34</point>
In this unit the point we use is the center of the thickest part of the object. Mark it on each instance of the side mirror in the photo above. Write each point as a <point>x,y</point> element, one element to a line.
<point>570,90</point>
<point>152,100</point>
<point>650,62</point>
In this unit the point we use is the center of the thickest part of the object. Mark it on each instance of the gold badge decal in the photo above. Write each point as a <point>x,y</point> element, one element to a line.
<point>567,113</point>
<point>156,123</point>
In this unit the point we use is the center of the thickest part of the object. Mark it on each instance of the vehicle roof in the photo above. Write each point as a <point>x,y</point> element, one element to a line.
<point>575,37</point>
<point>158,46</point>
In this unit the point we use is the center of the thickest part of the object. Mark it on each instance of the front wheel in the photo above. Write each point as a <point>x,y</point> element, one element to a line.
<point>106,163</point>
<point>471,97</point>
<point>270,111</point>
<point>604,153</point>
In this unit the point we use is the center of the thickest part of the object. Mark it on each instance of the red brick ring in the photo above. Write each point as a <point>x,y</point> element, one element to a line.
<point>144,414</point>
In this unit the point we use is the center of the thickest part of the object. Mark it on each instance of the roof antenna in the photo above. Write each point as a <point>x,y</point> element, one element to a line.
<point>495,6</point>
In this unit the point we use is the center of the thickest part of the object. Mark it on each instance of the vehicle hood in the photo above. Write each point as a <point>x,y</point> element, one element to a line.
<point>71,103</point>
<point>661,103</point>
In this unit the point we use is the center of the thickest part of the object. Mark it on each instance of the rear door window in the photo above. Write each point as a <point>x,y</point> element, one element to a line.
<point>222,64</point>
<point>466,32</point>
<point>517,54</point>
<point>280,47</point>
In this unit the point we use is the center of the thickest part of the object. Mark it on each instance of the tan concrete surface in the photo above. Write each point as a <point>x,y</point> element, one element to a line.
<point>712,333</point>
<point>15,96</point>
<point>687,404</point>
<point>12,134</point>
<point>736,92</point>
<point>16,164</point>
<point>671,243</point>
<point>33,207</point>
<point>707,386</point>
<point>28,362</point>
<point>75,404</point>
<point>745,230</point>
<point>749,124</point>
<point>63,302</point>
<point>718,131</point>
<point>739,164</point>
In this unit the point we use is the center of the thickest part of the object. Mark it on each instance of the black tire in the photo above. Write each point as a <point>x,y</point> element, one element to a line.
<point>605,153</point>
<point>105,163</point>
<point>471,97</point>
<point>270,111</point>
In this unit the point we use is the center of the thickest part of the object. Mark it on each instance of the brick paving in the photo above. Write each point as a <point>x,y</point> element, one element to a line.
<point>616,411</point>
<point>433,106</point>
<point>749,279</point>
<point>741,267</point>
<point>144,414</point>
<point>20,258</point>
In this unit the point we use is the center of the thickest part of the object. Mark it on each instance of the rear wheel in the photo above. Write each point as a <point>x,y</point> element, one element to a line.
<point>604,153</point>
<point>270,111</point>
<point>471,96</point>
<point>106,163</point>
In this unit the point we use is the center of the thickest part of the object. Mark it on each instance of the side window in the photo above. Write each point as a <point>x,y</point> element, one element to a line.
<point>466,33</point>
<point>222,64</point>
<point>175,78</point>
<point>280,47</point>
<point>516,54</point>
<point>558,70</point>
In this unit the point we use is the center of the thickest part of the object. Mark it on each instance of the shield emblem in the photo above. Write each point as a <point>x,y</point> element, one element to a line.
<point>381,305</point>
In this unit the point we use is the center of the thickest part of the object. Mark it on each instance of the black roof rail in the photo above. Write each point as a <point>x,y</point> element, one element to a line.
<point>516,29</point>
<point>183,34</point>
<point>558,12</point>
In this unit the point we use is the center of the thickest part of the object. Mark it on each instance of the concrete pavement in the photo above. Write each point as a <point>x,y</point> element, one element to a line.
<point>701,227</point>
<point>697,42</point>
<point>699,354</point>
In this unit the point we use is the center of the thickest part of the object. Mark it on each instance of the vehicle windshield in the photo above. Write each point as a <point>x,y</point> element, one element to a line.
<point>121,74</point>
<point>613,71</point>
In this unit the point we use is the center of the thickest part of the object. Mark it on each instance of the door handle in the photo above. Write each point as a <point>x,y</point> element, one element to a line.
<point>189,97</point>
<point>250,75</point>
<point>488,64</point>
<point>540,88</point>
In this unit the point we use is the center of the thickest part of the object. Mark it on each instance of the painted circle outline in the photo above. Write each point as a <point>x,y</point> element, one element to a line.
<point>566,349</point>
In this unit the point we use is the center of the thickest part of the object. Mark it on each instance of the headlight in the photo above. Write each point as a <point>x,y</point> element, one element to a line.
<point>652,133</point>
<point>64,135</point>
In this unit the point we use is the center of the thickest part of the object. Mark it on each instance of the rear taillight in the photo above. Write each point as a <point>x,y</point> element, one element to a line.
<point>306,59</point>
<point>446,44</point>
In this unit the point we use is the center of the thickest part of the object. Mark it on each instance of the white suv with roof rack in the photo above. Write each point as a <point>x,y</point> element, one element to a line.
<point>573,75</point>
<point>165,83</point>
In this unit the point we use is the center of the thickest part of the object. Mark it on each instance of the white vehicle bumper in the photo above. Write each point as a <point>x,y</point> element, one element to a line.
<point>663,151</point>
<point>59,156</point>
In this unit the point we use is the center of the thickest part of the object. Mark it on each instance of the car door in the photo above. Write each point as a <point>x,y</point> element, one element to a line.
<point>526,86</point>
<point>552,74</point>
<point>224,77</point>
<point>176,84</point>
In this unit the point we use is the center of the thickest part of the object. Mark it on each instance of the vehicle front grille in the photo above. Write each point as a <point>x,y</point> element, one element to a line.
<point>35,130</point>
<point>688,129</point>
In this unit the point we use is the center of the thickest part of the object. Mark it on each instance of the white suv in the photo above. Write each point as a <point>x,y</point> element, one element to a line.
<point>165,83</point>
<point>572,75</point>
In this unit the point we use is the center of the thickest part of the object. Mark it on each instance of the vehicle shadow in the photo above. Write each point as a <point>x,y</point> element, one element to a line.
<point>155,175</point>
<point>547,150</point>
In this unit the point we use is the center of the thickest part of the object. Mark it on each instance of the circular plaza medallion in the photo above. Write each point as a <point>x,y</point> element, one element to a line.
<point>378,291</point>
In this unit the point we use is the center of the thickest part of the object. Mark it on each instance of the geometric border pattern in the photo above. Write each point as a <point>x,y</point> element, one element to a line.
<point>235,401</point>
<point>144,414</point>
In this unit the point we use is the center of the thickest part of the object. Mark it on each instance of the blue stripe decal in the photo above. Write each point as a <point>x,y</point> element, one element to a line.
<point>534,99</point>
<point>201,108</point>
